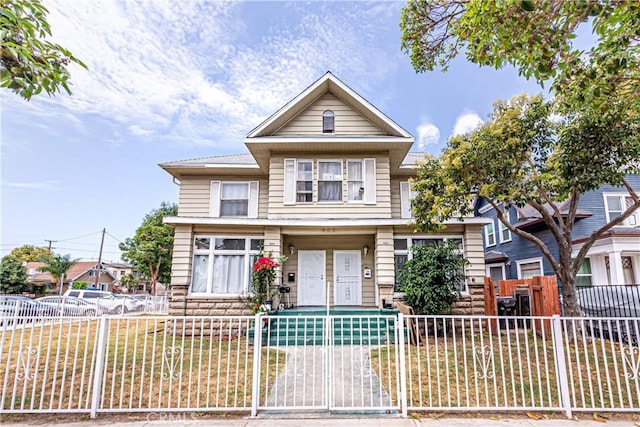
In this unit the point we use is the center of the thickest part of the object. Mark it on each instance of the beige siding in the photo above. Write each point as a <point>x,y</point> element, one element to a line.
<point>195,195</point>
<point>182,254</point>
<point>395,198</point>
<point>384,257</point>
<point>381,209</point>
<point>347,120</point>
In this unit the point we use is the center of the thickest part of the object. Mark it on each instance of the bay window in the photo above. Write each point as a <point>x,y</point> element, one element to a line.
<point>222,265</point>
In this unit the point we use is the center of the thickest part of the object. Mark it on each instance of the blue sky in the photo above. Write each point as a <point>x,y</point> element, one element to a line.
<point>172,80</point>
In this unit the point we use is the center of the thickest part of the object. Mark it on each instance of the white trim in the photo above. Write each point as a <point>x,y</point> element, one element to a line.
<point>486,208</point>
<point>335,139</point>
<point>502,265</point>
<point>529,261</point>
<point>328,77</point>
<point>632,220</point>
<point>230,166</point>
<point>486,234</point>
<point>501,228</point>
<point>405,200</point>
<point>309,222</point>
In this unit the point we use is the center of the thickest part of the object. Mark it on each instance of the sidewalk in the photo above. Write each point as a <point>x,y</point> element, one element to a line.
<point>165,419</point>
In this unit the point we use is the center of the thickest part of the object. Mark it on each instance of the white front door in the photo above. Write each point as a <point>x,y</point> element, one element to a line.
<point>311,280</point>
<point>347,279</point>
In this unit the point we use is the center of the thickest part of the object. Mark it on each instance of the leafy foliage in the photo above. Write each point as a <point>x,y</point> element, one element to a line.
<point>80,285</point>
<point>13,276</point>
<point>537,37</point>
<point>429,278</point>
<point>129,281</point>
<point>522,156</point>
<point>151,248</point>
<point>58,265</point>
<point>30,253</point>
<point>31,63</point>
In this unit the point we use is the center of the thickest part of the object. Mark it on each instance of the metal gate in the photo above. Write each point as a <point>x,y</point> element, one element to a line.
<point>333,363</point>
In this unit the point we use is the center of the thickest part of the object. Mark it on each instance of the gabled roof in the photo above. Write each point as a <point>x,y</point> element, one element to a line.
<point>327,83</point>
<point>263,140</point>
<point>82,267</point>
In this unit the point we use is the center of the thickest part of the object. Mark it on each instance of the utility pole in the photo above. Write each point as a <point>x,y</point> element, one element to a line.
<point>50,242</point>
<point>98,269</point>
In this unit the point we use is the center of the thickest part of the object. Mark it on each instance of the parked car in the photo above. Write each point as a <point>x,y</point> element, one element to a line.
<point>104,299</point>
<point>20,309</point>
<point>72,306</point>
<point>621,304</point>
<point>131,303</point>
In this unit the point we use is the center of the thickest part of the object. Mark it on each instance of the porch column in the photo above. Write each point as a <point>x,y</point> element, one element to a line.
<point>384,264</point>
<point>273,244</point>
<point>615,267</point>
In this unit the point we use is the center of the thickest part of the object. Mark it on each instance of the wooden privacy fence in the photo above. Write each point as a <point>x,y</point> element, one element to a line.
<point>543,294</point>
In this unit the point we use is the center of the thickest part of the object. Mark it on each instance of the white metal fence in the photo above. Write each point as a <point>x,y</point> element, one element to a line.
<point>373,363</point>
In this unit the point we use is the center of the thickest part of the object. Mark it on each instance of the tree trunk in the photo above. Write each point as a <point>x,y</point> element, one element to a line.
<point>569,295</point>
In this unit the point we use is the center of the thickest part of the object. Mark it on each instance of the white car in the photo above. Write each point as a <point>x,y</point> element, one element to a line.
<point>131,303</point>
<point>104,299</point>
<point>71,306</point>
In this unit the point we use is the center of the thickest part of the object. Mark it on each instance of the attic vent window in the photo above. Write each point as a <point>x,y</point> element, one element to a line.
<point>328,122</point>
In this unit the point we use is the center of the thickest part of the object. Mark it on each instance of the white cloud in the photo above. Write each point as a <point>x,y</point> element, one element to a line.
<point>37,185</point>
<point>188,71</point>
<point>427,134</point>
<point>466,122</point>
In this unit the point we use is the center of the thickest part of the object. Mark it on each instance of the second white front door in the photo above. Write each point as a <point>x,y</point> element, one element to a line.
<point>347,278</point>
<point>311,278</point>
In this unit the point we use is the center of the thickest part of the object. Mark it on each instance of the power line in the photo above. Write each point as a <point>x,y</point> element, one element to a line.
<point>80,237</point>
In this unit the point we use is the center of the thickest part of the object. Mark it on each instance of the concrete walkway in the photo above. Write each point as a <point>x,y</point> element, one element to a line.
<point>304,381</point>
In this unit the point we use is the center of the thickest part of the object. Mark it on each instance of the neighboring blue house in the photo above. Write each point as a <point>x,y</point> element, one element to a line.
<point>614,259</point>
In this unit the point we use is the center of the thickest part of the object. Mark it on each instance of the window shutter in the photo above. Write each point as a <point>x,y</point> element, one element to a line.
<point>369,181</point>
<point>214,208</point>
<point>289,181</point>
<point>253,199</point>
<point>405,199</point>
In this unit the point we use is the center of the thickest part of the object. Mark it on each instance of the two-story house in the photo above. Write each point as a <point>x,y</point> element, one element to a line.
<point>614,259</point>
<point>325,183</point>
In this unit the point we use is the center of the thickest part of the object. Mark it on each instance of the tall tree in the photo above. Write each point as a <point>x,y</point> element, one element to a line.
<point>537,37</point>
<point>151,248</point>
<point>13,276</point>
<point>30,253</point>
<point>58,265</point>
<point>30,63</point>
<point>524,155</point>
<point>596,93</point>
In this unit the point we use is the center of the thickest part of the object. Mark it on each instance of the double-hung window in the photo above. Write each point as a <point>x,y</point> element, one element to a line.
<point>529,268</point>
<point>222,265</point>
<point>234,199</point>
<point>406,197</point>
<point>489,234</point>
<point>616,204</point>
<point>329,181</point>
<point>304,181</point>
<point>402,253</point>
<point>505,233</point>
<point>584,274</point>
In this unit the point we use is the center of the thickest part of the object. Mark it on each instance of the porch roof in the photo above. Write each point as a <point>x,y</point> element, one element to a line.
<point>309,222</point>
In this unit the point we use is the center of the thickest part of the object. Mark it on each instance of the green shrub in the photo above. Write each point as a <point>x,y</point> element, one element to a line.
<point>429,278</point>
